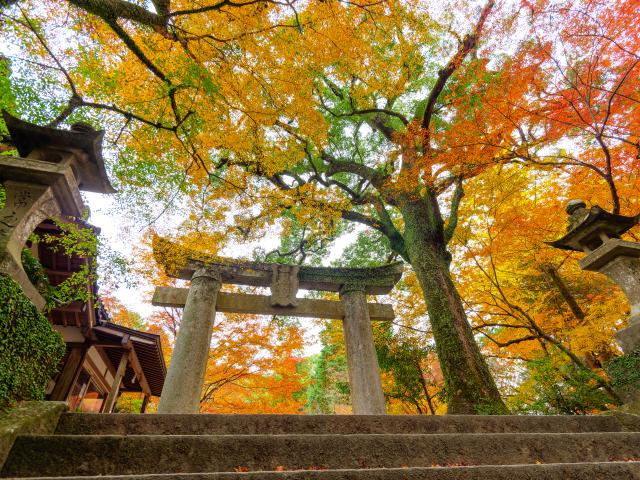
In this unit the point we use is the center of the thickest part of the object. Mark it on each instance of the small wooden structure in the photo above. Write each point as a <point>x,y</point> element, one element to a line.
<point>181,392</point>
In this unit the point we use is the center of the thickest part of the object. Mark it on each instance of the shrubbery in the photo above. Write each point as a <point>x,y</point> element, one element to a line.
<point>556,386</point>
<point>30,350</point>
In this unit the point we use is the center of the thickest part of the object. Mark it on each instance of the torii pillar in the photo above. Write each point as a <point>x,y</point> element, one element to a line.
<point>367,397</point>
<point>185,377</point>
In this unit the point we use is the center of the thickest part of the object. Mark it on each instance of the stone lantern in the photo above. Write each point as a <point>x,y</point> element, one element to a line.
<point>44,182</point>
<point>597,232</point>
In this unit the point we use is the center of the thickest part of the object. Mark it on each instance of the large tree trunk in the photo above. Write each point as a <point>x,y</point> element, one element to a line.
<point>470,388</point>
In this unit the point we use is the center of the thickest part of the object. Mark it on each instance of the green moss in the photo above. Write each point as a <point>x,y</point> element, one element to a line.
<point>624,372</point>
<point>30,350</point>
<point>28,418</point>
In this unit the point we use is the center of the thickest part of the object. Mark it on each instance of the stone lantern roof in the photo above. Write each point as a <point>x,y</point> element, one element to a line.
<point>51,144</point>
<point>589,228</point>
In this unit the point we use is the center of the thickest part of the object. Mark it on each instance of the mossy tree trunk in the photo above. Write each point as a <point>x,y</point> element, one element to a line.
<point>470,388</point>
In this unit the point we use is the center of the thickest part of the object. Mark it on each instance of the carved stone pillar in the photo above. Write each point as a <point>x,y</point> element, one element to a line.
<point>597,233</point>
<point>367,397</point>
<point>185,377</point>
<point>620,261</point>
<point>43,183</point>
<point>25,208</point>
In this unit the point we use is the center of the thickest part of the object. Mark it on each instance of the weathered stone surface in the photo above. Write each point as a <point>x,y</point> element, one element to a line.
<point>608,251</point>
<point>82,144</point>
<point>134,424</point>
<point>596,232</point>
<point>46,185</point>
<point>588,228</point>
<point>26,206</point>
<point>27,418</point>
<point>284,281</point>
<point>574,471</point>
<point>628,421</point>
<point>367,397</point>
<point>261,305</point>
<point>629,338</point>
<point>36,173</point>
<point>284,285</point>
<point>375,280</point>
<point>620,261</point>
<point>183,385</point>
<point>149,447</point>
<point>62,455</point>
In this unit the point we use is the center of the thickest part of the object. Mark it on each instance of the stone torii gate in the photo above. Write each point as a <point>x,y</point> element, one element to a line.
<point>185,377</point>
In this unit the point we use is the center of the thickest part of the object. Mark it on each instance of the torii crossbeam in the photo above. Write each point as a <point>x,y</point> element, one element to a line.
<point>181,392</point>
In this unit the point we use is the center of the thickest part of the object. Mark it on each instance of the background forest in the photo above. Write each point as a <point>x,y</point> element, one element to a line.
<point>447,135</point>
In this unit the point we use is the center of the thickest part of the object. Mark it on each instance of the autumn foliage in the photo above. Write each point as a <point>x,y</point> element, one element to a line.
<point>448,136</point>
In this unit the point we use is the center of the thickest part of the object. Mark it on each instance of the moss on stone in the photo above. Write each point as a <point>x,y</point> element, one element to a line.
<point>27,418</point>
<point>624,372</point>
<point>30,350</point>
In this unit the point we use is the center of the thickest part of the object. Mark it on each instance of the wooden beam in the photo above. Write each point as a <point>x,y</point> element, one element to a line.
<point>115,386</point>
<point>91,309</point>
<point>137,368</point>
<point>69,373</point>
<point>110,331</point>
<point>261,305</point>
<point>107,345</point>
<point>145,402</point>
<point>75,307</point>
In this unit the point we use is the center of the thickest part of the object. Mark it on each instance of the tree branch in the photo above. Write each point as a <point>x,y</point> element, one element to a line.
<point>396,239</point>
<point>510,342</point>
<point>162,7</point>
<point>136,50</point>
<point>358,217</point>
<point>217,6</point>
<point>468,44</point>
<point>110,10</point>
<point>340,166</point>
<point>458,193</point>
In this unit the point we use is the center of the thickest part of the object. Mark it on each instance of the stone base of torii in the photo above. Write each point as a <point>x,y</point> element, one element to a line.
<point>185,377</point>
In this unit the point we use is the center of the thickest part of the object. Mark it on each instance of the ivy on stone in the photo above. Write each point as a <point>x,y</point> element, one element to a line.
<point>624,372</point>
<point>30,350</point>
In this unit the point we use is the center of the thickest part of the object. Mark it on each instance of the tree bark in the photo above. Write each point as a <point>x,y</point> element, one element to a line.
<point>470,388</point>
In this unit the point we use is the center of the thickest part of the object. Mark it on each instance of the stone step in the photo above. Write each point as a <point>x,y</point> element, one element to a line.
<point>132,424</point>
<point>69,455</point>
<point>571,471</point>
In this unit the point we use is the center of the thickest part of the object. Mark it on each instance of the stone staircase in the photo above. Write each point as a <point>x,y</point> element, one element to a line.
<point>278,447</point>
